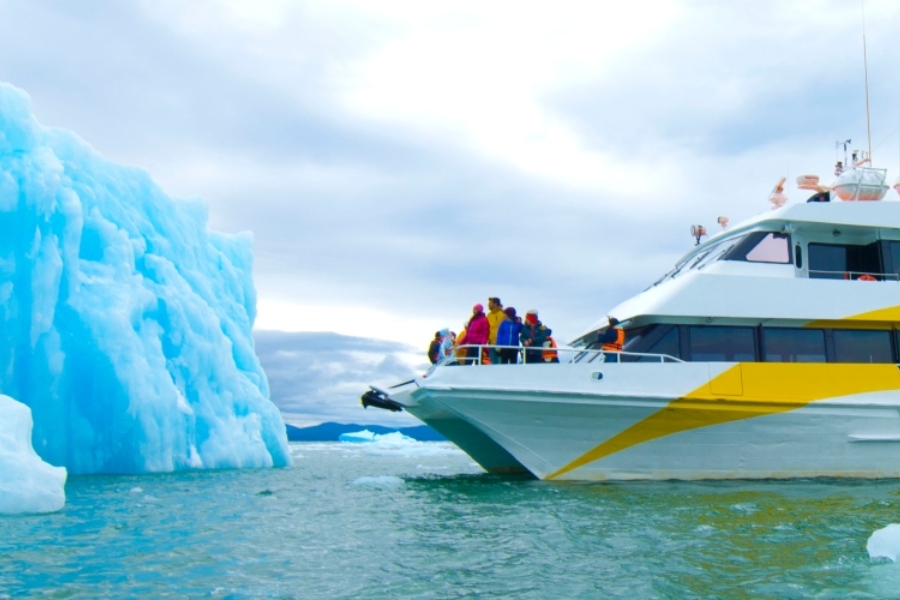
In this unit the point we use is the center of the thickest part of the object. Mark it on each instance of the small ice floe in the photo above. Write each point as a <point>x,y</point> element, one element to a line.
<point>359,436</point>
<point>136,490</point>
<point>885,543</point>
<point>384,482</point>
<point>397,444</point>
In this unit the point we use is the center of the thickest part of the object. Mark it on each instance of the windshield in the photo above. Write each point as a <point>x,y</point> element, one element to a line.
<point>708,255</point>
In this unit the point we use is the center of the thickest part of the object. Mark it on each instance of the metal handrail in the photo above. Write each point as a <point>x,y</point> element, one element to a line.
<point>855,275</point>
<point>578,355</point>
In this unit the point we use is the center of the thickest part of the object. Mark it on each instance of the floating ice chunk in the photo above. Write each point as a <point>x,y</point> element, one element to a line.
<point>124,321</point>
<point>381,481</point>
<point>396,444</point>
<point>885,543</point>
<point>27,484</point>
<point>358,436</point>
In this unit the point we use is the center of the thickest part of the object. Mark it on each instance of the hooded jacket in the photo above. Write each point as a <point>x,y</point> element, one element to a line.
<point>478,330</point>
<point>508,333</point>
<point>446,344</point>
<point>536,333</point>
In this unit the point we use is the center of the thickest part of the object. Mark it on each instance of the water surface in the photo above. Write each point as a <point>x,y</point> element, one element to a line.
<point>423,521</point>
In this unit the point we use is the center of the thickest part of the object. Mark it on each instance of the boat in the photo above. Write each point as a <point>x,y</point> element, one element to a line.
<point>771,350</point>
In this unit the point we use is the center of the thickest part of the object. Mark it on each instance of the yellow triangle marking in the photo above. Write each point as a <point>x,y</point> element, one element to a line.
<point>769,388</point>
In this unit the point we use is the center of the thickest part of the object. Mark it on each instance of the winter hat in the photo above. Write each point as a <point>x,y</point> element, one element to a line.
<point>531,316</point>
<point>478,308</point>
<point>510,312</point>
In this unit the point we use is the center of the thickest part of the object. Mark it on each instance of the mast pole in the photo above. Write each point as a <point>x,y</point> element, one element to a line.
<point>866,75</point>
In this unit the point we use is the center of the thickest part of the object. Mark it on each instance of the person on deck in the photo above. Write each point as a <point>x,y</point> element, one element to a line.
<point>612,340</point>
<point>508,335</point>
<point>550,355</point>
<point>434,348</point>
<point>460,353</point>
<point>495,316</point>
<point>533,335</point>
<point>446,345</point>
<point>477,333</point>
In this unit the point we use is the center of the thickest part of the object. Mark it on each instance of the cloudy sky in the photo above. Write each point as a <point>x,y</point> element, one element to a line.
<point>398,161</point>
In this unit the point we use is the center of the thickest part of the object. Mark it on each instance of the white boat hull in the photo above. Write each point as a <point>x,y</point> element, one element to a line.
<point>729,421</point>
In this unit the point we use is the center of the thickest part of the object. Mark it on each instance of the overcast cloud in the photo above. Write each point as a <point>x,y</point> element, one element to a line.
<point>399,161</point>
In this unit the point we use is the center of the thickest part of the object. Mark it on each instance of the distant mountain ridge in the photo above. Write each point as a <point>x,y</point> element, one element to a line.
<point>330,432</point>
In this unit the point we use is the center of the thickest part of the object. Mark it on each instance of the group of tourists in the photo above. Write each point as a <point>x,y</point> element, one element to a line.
<point>504,332</point>
<point>500,336</point>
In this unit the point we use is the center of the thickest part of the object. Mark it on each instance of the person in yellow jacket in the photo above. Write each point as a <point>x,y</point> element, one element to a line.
<point>495,316</point>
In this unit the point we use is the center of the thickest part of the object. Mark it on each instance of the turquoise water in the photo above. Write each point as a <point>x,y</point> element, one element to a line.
<point>422,521</point>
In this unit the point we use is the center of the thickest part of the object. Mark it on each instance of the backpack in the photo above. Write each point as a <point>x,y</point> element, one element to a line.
<point>434,350</point>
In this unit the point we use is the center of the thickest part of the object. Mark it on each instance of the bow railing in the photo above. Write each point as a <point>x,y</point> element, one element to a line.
<point>481,354</point>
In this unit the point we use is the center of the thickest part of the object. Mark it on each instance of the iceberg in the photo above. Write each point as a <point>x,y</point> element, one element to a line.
<point>124,321</point>
<point>27,484</point>
<point>885,543</point>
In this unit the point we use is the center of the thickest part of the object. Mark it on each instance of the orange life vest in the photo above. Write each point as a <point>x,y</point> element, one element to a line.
<point>549,355</point>
<point>617,345</point>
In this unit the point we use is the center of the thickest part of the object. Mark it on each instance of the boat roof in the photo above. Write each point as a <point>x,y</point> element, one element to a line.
<point>883,216</point>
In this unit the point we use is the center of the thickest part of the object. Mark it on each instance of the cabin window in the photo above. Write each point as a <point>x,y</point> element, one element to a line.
<point>722,344</point>
<point>798,256</point>
<point>839,261</point>
<point>891,256</point>
<point>656,339</point>
<point>667,344</point>
<point>862,346</point>
<point>761,246</point>
<point>793,345</point>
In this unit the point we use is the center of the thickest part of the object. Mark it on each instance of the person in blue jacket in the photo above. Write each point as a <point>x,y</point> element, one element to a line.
<point>508,335</point>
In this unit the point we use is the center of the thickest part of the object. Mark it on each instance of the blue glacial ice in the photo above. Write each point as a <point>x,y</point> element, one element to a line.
<point>27,484</point>
<point>124,322</point>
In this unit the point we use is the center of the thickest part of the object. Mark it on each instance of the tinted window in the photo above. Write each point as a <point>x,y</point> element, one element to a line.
<point>862,346</point>
<point>794,345</point>
<point>836,261</point>
<point>827,261</point>
<point>718,344</point>
<point>662,340</point>
<point>667,344</point>
<point>892,256</point>
<point>762,247</point>
<point>636,339</point>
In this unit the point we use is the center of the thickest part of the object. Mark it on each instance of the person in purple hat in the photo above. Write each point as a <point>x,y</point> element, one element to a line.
<point>508,335</point>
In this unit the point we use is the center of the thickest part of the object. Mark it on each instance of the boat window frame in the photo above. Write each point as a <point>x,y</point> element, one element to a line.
<point>838,333</point>
<point>766,332</point>
<point>753,240</point>
<point>647,343</point>
<point>854,262</point>
<point>690,329</point>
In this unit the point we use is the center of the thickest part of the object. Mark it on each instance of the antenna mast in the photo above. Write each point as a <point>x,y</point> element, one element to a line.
<point>866,74</point>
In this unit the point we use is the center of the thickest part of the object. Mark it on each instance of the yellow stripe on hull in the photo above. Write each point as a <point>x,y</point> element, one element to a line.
<point>766,388</point>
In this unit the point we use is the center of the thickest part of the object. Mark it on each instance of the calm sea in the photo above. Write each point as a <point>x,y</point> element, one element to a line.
<point>420,520</point>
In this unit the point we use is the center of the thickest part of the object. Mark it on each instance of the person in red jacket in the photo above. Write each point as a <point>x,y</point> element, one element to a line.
<point>478,331</point>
